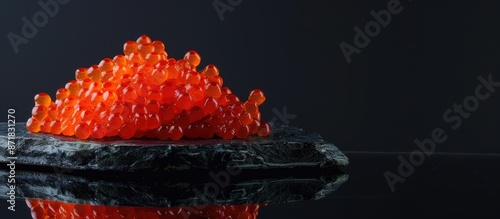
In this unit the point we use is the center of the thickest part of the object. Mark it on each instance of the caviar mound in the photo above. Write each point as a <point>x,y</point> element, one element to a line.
<point>42,209</point>
<point>144,93</point>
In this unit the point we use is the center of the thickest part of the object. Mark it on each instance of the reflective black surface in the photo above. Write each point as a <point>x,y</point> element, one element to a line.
<point>444,185</point>
<point>394,91</point>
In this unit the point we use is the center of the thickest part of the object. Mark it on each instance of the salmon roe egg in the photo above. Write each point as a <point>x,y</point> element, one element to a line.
<point>144,93</point>
<point>193,57</point>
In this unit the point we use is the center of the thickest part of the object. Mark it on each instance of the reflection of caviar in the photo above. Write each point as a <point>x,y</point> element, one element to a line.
<point>145,93</point>
<point>53,209</point>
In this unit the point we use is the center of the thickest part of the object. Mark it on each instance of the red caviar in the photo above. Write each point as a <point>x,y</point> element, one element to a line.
<point>145,93</point>
<point>42,209</point>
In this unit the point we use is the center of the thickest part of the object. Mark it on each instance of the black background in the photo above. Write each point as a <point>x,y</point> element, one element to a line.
<point>395,91</point>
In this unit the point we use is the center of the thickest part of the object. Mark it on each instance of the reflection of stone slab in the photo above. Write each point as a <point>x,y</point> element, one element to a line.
<point>155,191</point>
<point>285,147</point>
